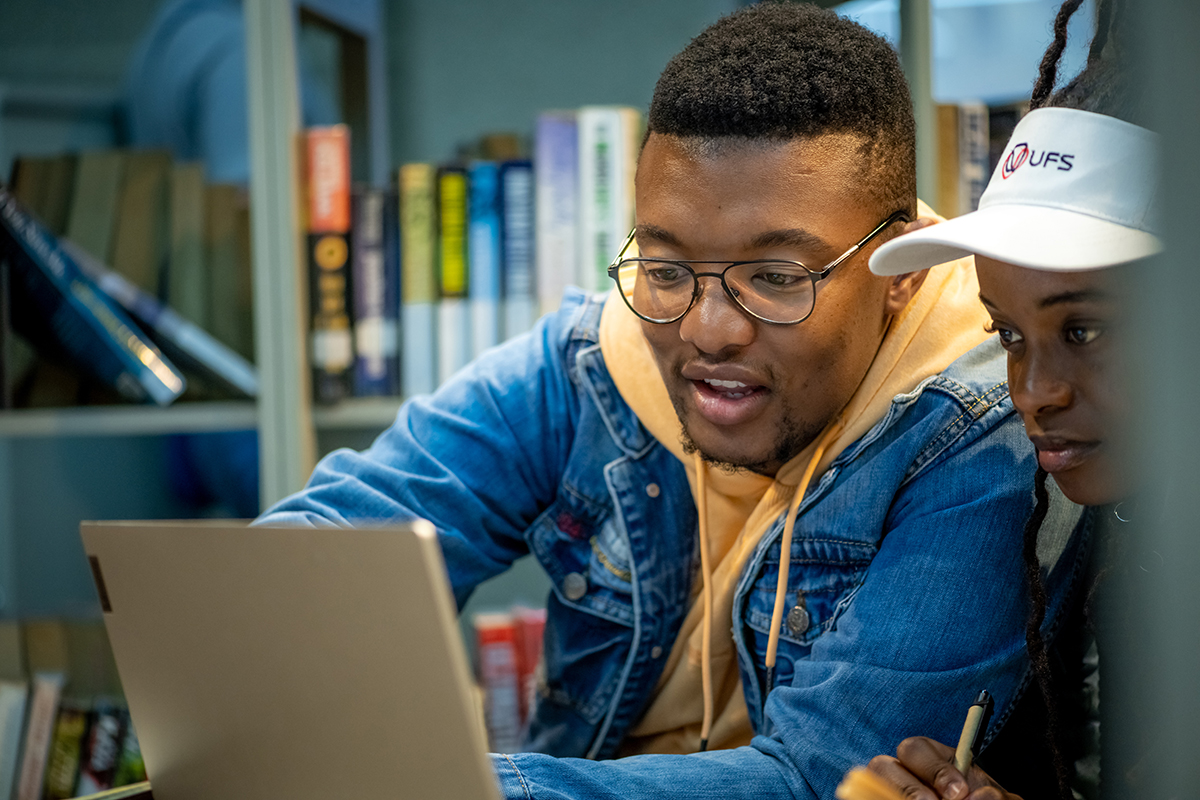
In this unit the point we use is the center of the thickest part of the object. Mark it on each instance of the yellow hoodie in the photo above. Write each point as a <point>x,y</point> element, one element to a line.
<point>944,320</point>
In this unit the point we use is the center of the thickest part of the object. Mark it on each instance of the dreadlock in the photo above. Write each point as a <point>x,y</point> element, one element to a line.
<point>1103,88</point>
<point>1035,643</point>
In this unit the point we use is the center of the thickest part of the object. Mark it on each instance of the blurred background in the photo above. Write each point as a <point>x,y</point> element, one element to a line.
<point>440,83</point>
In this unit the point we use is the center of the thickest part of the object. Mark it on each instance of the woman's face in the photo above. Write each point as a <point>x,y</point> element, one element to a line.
<point>1065,375</point>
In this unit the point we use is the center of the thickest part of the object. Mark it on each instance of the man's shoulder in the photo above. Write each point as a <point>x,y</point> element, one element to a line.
<point>974,383</point>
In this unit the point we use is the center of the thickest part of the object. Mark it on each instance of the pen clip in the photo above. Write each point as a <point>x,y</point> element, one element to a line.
<point>985,700</point>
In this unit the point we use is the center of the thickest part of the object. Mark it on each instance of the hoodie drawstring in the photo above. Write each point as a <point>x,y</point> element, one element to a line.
<point>706,631</point>
<point>780,586</point>
<point>785,551</point>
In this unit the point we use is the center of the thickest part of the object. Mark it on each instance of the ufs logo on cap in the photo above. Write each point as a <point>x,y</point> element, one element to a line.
<point>1021,153</point>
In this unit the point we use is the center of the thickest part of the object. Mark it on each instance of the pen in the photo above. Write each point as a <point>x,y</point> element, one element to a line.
<point>973,731</point>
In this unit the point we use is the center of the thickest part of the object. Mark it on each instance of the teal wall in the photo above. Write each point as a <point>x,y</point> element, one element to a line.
<point>461,68</point>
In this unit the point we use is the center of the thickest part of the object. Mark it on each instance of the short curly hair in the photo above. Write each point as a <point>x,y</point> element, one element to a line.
<point>778,70</point>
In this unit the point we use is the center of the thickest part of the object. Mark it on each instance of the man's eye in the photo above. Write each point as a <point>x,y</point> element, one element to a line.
<point>774,277</point>
<point>1082,334</point>
<point>665,274</point>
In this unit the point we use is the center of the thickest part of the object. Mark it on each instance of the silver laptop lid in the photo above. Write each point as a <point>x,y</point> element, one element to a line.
<point>262,663</point>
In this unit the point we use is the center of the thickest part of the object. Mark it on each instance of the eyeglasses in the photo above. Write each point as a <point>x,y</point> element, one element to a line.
<point>780,292</point>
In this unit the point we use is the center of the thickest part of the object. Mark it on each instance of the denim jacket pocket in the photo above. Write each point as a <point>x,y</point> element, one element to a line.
<point>823,576</point>
<point>587,560</point>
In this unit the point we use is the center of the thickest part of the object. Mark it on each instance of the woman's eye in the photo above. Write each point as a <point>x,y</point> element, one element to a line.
<point>1008,337</point>
<point>1082,334</point>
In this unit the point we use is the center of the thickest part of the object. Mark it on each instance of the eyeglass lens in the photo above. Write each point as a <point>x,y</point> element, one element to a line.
<point>662,291</point>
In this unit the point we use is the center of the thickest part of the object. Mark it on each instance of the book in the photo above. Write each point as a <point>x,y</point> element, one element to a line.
<point>187,345</point>
<point>57,307</point>
<point>608,147</point>
<point>187,270</point>
<point>62,766</point>
<point>130,767</point>
<point>520,288</point>
<point>227,255</point>
<point>862,784</point>
<point>496,652</point>
<point>530,627</point>
<point>454,317</point>
<point>962,157</point>
<point>484,244</point>
<point>14,696</point>
<point>101,752</point>
<point>44,186</point>
<point>376,274</point>
<point>141,239</point>
<point>92,218</point>
<point>418,278</point>
<point>43,710</point>
<point>556,198</point>
<point>328,191</point>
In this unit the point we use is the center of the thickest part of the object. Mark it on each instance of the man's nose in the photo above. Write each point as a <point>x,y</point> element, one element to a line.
<point>715,322</point>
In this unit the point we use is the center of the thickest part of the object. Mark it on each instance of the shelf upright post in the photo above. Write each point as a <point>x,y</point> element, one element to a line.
<point>916,54</point>
<point>287,441</point>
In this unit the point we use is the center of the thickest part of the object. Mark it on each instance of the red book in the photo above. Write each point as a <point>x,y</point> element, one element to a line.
<point>496,649</point>
<point>530,625</point>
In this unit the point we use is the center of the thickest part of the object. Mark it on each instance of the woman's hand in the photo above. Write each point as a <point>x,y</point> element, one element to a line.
<point>924,770</point>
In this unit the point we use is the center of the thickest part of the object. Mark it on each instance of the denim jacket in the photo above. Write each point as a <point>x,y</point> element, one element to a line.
<point>906,564</point>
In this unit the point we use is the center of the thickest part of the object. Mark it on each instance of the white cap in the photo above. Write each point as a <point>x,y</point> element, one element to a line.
<point>1074,190</point>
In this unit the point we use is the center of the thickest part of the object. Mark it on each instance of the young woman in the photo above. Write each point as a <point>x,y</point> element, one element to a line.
<point>1060,230</point>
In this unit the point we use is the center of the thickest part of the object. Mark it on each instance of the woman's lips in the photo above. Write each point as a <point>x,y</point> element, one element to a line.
<point>727,402</point>
<point>1059,455</point>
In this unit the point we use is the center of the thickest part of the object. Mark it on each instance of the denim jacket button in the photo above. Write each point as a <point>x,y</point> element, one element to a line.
<point>574,586</point>
<point>797,619</point>
<point>655,652</point>
<point>652,489</point>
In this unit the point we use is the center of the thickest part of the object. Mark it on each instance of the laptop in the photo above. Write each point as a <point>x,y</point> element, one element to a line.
<point>290,664</point>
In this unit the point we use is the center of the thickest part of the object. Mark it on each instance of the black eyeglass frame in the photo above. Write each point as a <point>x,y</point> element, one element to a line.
<point>813,275</point>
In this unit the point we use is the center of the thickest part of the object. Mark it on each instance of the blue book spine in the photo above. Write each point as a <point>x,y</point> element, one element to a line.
<point>484,244</point>
<point>56,305</point>
<point>375,337</point>
<point>520,292</point>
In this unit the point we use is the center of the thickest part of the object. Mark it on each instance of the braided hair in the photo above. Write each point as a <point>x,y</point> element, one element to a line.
<point>1103,87</point>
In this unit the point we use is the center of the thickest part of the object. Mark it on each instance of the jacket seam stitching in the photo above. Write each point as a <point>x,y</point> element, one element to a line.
<point>520,777</point>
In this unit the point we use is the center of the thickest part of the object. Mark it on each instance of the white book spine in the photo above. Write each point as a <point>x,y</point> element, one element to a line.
<point>13,697</point>
<point>420,348</point>
<point>556,171</point>
<point>454,336</point>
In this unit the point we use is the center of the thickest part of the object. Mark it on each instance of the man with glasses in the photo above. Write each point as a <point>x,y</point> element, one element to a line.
<point>779,501</point>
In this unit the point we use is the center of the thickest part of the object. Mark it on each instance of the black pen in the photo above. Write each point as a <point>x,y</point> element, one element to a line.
<point>973,732</point>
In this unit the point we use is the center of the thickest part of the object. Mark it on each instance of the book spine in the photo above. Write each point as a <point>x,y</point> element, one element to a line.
<point>43,708</point>
<point>485,252</point>
<point>530,627</point>
<point>605,206</point>
<point>14,696</point>
<point>131,768</point>
<point>418,278</point>
<point>102,752</point>
<point>332,348</point>
<point>65,750</point>
<point>520,298</point>
<point>972,154</point>
<point>56,300</point>
<point>181,340</point>
<point>495,638</point>
<point>392,270</point>
<point>454,333</point>
<point>556,160</point>
<point>374,329</point>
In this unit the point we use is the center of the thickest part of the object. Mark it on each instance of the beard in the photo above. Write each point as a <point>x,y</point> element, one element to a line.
<point>790,440</point>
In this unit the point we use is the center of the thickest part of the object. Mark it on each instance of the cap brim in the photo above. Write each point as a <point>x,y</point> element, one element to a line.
<point>1038,237</point>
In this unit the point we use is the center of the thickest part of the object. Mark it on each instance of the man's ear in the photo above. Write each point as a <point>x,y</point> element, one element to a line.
<point>901,290</point>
